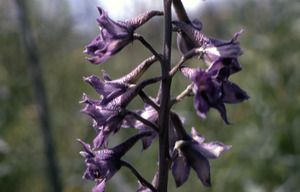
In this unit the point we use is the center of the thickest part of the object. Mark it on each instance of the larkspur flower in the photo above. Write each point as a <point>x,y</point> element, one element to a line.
<point>108,116</point>
<point>211,50</point>
<point>212,91</point>
<point>114,36</point>
<point>103,164</point>
<point>191,152</point>
<point>110,89</point>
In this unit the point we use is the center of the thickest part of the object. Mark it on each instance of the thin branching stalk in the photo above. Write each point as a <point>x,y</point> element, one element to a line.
<point>181,96</point>
<point>143,181</point>
<point>147,100</point>
<point>147,45</point>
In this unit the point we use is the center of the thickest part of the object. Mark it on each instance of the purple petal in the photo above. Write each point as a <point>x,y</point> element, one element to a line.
<point>100,186</point>
<point>113,37</point>
<point>196,136</point>
<point>233,94</point>
<point>99,140</point>
<point>106,89</point>
<point>200,164</point>
<point>189,72</point>
<point>201,105</point>
<point>222,110</point>
<point>212,150</point>
<point>87,148</point>
<point>180,170</point>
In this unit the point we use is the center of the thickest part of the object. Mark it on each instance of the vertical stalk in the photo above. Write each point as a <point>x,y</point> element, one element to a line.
<point>164,112</point>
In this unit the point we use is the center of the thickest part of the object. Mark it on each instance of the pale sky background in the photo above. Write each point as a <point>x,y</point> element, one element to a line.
<point>121,7</point>
<point>125,9</point>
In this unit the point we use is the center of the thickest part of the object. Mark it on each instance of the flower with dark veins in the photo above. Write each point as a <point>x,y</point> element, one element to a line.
<point>211,50</point>
<point>114,36</point>
<point>191,152</point>
<point>103,164</point>
<point>213,90</point>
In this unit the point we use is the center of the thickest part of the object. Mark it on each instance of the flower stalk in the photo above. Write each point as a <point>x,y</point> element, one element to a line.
<point>178,151</point>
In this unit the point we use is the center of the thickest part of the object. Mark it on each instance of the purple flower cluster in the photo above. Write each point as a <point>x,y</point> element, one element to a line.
<point>210,88</point>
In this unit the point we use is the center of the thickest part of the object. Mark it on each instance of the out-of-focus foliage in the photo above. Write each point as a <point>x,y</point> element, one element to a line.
<point>266,148</point>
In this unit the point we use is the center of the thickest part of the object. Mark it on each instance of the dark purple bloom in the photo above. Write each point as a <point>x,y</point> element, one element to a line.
<point>103,164</point>
<point>210,50</point>
<point>192,152</point>
<point>213,90</point>
<point>110,89</point>
<point>108,116</point>
<point>114,36</point>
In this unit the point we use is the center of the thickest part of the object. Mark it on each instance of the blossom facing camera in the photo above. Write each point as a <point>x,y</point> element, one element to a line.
<point>103,164</point>
<point>193,153</point>
<point>212,91</point>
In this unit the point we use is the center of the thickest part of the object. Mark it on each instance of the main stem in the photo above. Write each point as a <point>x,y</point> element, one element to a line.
<point>164,112</point>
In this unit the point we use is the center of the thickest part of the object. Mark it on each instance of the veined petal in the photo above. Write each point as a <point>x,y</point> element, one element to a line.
<point>180,170</point>
<point>196,136</point>
<point>199,163</point>
<point>212,150</point>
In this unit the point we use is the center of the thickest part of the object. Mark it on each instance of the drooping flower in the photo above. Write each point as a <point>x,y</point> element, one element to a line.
<point>212,50</point>
<point>191,152</point>
<point>212,89</point>
<point>103,164</point>
<point>114,36</point>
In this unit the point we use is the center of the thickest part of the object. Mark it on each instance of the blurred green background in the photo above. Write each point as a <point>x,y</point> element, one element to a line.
<point>265,153</point>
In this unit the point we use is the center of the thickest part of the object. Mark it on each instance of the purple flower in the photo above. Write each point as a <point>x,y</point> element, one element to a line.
<point>114,36</point>
<point>192,152</point>
<point>108,116</point>
<point>212,89</point>
<point>103,164</point>
<point>211,50</point>
<point>110,89</point>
